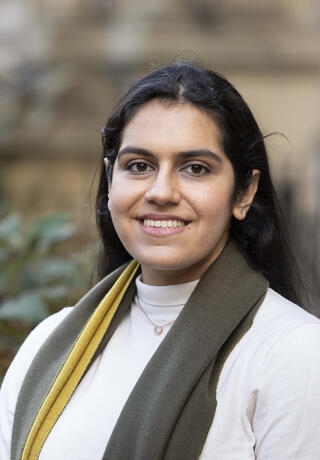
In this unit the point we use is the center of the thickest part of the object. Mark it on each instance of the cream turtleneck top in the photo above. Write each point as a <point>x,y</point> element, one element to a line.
<point>268,404</point>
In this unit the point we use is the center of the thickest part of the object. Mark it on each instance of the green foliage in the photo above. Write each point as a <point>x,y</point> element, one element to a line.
<point>38,275</point>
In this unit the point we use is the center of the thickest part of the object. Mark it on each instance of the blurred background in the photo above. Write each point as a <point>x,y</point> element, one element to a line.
<point>63,65</point>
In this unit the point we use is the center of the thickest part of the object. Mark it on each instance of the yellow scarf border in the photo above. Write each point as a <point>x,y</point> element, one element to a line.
<point>75,365</point>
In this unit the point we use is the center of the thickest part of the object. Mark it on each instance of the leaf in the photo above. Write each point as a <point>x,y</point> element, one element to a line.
<point>28,308</point>
<point>10,231</point>
<point>50,229</point>
<point>48,271</point>
<point>53,293</point>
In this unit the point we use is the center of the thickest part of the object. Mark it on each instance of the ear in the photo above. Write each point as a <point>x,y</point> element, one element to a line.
<point>107,165</point>
<point>245,198</point>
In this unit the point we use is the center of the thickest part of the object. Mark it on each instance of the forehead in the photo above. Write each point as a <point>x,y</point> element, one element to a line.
<point>177,125</point>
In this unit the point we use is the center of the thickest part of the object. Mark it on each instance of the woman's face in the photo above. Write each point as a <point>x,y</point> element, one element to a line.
<point>171,192</point>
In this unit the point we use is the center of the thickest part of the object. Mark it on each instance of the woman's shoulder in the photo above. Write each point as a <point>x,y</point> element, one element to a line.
<point>270,383</point>
<point>42,331</point>
<point>276,310</point>
<point>278,318</point>
<point>285,378</point>
<point>280,322</point>
<point>16,373</point>
<point>29,348</point>
<point>289,335</point>
<point>280,330</point>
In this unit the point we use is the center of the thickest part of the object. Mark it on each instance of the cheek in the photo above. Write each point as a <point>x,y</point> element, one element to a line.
<point>214,203</point>
<point>114,200</point>
<point>124,197</point>
<point>117,197</point>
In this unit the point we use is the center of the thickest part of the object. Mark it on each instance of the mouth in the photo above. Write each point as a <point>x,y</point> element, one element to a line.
<point>162,224</point>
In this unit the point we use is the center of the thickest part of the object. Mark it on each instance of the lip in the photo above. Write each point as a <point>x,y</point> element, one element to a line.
<point>161,231</point>
<point>154,216</point>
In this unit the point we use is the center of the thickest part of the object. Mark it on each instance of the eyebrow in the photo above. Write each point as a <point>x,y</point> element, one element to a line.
<point>183,155</point>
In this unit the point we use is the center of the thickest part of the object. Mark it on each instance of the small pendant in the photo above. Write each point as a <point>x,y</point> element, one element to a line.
<point>157,330</point>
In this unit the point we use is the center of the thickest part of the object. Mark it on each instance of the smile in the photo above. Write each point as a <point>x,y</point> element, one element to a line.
<point>164,223</point>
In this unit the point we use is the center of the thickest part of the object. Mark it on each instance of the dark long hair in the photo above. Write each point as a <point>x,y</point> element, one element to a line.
<point>262,235</point>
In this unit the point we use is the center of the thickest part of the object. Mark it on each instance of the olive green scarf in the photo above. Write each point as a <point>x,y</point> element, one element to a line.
<point>171,407</point>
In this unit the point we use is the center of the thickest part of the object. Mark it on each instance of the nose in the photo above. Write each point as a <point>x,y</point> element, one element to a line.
<point>163,190</point>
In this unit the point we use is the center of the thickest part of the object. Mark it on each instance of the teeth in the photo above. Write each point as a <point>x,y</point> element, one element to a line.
<point>164,223</point>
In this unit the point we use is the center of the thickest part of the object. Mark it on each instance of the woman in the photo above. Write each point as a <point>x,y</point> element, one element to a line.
<point>198,351</point>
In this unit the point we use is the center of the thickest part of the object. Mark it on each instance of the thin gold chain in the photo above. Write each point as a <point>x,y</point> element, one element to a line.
<point>157,328</point>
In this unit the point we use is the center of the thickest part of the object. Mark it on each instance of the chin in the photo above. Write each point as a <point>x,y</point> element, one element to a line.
<point>162,262</point>
<point>162,265</point>
<point>168,263</point>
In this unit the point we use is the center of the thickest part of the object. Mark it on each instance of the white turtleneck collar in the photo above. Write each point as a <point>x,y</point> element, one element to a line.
<point>163,303</point>
<point>168,296</point>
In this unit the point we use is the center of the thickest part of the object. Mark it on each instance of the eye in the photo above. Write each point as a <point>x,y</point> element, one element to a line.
<point>196,169</point>
<point>139,167</point>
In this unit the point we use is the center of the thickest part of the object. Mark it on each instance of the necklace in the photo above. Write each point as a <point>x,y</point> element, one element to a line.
<point>157,328</point>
